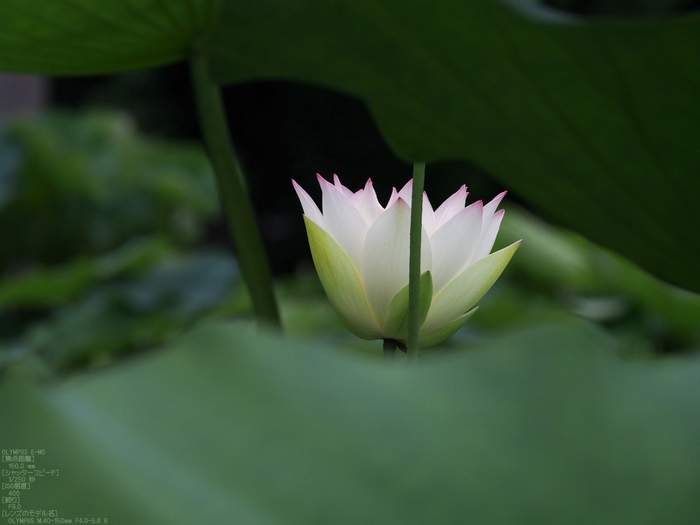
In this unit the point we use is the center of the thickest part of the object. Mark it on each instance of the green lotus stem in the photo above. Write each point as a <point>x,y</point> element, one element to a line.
<point>243,225</point>
<point>414,261</point>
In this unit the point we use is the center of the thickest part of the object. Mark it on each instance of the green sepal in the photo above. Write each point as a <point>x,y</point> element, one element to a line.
<point>440,334</point>
<point>396,320</point>
<point>341,282</point>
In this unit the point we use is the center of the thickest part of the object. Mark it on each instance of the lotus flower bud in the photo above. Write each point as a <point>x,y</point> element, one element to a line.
<point>361,252</point>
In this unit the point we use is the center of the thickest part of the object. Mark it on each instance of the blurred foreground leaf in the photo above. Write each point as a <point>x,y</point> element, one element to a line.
<point>540,427</point>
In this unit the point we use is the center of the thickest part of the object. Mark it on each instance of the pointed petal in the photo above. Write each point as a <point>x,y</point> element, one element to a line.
<point>467,288</point>
<point>343,189</point>
<point>344,222</point>
<point>342,283</point>
<point>406,192</point>
<point>368,204</point>
<point>308,204</point>
<point>489,228</point>
<point>356,200</point>
<point>385,257</point>
<point>489,231</point>
<point>454,244</point>
<point>490,208</point>
<point>441,334</point>
<point>393,198</point>
<point>452,205</point>
<point>396,322</point>
<point>428,216</point>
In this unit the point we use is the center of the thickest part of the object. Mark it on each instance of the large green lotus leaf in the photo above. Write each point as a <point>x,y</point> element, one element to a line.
<point>541,427</point>
<point>595,123</point>
<point>87,37</point>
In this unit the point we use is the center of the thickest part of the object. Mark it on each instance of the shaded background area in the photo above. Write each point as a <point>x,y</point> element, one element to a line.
<point>282,131</point>
<point>22,94</point>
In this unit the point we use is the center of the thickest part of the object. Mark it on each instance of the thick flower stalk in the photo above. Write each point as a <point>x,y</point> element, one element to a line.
<point>361,253</point>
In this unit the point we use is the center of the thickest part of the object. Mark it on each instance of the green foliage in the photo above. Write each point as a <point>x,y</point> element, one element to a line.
<point>543,426</point>
<point>557,272</point>
<point>564,112</point>
<point>82,37</point>
<point>591,122</point>
<point>95,220</point>
<point>55,285</point>
<point>129,315</point>
<point>87,184</point>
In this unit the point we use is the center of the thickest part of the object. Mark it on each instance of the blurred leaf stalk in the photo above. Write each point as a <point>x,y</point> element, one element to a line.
<point>244,228</point>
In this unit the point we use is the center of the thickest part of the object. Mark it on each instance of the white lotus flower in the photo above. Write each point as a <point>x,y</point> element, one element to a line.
<point>360,250</point>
